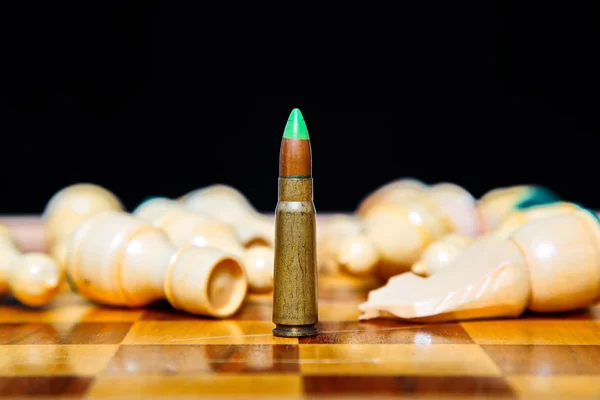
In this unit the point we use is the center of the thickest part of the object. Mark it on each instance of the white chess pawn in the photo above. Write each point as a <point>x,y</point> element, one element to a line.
<point>497,204</point>
<point>67,208</point>
<point>32,278</point>
<point>184,226</point>
<point>390,192</point>
<point>227,204</point>
<point>118,259</point>
<point>395,231</point>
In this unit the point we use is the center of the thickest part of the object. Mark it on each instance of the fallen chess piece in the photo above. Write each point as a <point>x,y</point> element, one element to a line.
<point>115,258</point>
<point>32,278</point>
<point>496,205</point>
<point>67,208</point>
<point>389,236</point>
<point>184,226</point>
<point>492,208</point>
<point>390,192</point>
<point>230,206</point>
<point>441,253</point>
<point>548,265</point>
<point>359,254</point>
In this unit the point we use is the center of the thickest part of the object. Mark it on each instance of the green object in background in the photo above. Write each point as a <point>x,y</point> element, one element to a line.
<point>537,196</point>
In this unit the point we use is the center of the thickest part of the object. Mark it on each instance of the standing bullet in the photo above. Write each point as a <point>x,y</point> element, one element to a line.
<point>295,270</point>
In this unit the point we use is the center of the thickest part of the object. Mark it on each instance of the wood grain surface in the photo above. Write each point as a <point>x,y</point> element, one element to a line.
<point>72,348</point>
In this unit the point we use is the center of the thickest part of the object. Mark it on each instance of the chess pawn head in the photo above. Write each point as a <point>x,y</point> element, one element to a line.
<point>153,208</point>
<point>118,259</point>
<point>390,192</point>
<point>68,207</point>
<point>330,234</point>
<point>458,205</point>
<point>34,279</point>
<point>402,230</point>
<point>230,206</point>
<point>440,254</point>
<point>357,255</point>
<point>497,204</point>
<point>519,218</point>
<point>258,261</point>
<point>562,258</point>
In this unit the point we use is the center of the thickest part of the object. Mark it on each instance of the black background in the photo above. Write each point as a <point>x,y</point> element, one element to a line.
<point>162,98</point>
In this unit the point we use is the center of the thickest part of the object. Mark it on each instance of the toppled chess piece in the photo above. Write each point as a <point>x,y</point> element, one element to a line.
<point>391,234</point>
<point>497,204</point>
<point>67,208</point>
<point>230,206</point>
<point>115,258</point>
<point>547,265</point>
<point>184,226</point>
<point>441,253</point>
<point>492,208</point>
<point>32,278</point>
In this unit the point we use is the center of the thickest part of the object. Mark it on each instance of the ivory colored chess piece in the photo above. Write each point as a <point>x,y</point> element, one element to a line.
<point>32,278</point>
<point>329,234</point>
<point>184,226</point>
<point>548,265</point>
<point>67,208</point>
<point>232,207</point>
<point>441,253</point>
<point>394,233</point>
<point>497,204</point>
<point>117,259</point>
<point>389,192</point>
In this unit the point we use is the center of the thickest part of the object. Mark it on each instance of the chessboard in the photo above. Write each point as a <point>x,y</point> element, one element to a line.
<point>75,349</point>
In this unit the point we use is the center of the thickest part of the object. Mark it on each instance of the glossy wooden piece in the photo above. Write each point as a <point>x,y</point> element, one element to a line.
<point>184,226</point>
<point>442,252</point>
<point>117,259</point>
<point>551,264</point>
<point>229,205</point>
<point>72,348</point>
<point>392,227</point>
<point>33,278</point>
<point>67,208</point>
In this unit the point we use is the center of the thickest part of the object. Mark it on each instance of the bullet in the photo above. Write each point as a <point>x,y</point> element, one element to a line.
<point>295,282</point>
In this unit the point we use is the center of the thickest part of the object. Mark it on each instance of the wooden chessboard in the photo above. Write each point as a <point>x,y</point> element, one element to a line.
<point>72,348</point>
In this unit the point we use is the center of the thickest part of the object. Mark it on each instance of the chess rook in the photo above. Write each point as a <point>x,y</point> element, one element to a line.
<point>32,278</point>
<point>295,265</point>
<point>117,259</point>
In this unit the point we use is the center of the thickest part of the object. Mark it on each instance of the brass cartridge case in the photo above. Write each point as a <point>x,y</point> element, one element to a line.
<point>295,286</point>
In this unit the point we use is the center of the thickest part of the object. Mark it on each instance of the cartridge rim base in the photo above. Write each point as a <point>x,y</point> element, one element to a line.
<point>295,330</point>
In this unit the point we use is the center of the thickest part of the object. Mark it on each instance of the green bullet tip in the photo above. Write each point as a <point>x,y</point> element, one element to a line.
<point>296,127</point>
